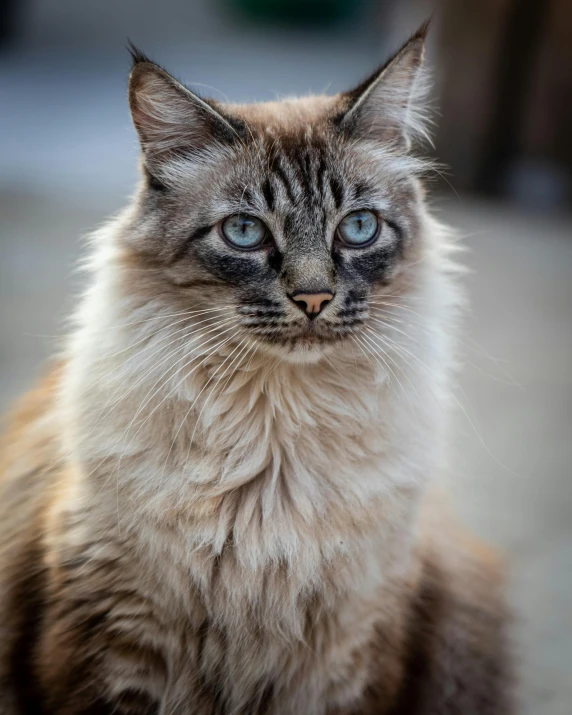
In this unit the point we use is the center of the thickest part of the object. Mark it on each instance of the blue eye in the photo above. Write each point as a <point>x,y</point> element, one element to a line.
<point>358,228</point>
<point>244,232</point>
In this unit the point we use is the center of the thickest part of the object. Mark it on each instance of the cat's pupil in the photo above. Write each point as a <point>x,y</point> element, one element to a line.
<point>244,231</point>
<point>359,227</point>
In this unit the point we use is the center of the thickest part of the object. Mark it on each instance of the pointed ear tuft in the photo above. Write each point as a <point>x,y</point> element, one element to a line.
<point>390,105</point>
<point>421,32</point>
<point>170,119</point>
<point>136,54</point>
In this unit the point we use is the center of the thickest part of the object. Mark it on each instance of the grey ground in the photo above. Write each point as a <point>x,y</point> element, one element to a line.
<point>67,157</point>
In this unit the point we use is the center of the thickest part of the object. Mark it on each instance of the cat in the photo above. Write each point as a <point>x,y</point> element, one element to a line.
<point>221,499</point>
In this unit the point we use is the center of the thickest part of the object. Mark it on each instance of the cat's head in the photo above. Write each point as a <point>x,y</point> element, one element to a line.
<point>290,216</point>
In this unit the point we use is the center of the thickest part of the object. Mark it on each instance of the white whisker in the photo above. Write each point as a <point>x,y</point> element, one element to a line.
<point>190,409</point>
<point>244,346</point>
<point>376,351</point>
<point>211,351</point>
<point>192,335</point>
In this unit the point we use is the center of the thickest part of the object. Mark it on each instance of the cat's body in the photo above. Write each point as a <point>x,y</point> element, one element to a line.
<point>199,519</point>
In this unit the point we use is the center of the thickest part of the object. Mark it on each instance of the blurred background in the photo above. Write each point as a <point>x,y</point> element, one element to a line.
<point>503,79</point>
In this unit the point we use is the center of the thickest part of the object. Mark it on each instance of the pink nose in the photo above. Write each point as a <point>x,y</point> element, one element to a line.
<point>312,303</point>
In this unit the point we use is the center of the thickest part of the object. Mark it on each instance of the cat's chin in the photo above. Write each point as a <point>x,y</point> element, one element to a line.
<point>304,355</point>
<point>300,352</point>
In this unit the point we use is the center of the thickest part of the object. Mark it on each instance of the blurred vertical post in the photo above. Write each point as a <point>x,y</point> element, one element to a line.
<point>8,20</point>
<point>516,58</point>
<point>506,98</point>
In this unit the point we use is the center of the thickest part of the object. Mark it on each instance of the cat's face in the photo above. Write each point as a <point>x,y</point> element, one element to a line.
<point>292,216</point>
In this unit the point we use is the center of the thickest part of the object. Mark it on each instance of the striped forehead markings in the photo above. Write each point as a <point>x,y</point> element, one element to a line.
<point>337,190</point>
<point>279,171</point>
<point>268,193</point>
<point>320,175</point>
<point>304,177</point>
<point>303,168</point>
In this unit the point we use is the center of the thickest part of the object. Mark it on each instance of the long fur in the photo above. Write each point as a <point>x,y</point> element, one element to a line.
<point>201,514</point>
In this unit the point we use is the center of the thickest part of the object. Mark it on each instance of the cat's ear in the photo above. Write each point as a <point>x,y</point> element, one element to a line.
<point>390,104</point>
<point>170,119</point>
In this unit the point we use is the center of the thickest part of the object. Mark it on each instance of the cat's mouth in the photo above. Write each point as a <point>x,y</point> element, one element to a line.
<point>274,328</point>
<point>303,336</point>
<point>308,338</point>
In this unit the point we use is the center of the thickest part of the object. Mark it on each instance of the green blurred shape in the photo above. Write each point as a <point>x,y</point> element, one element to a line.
<point>298,12</point>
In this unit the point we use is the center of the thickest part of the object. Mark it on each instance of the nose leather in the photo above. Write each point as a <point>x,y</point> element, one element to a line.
<point>312,303</point>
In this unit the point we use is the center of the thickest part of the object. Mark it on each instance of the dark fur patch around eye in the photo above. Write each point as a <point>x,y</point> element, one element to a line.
<point>398,233</point>
<point>183,249</point>
<point>373,265</point>
<point>200,233</point>
<point>236,269</point>
<point>275,260</point>
<point>365,268</point>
